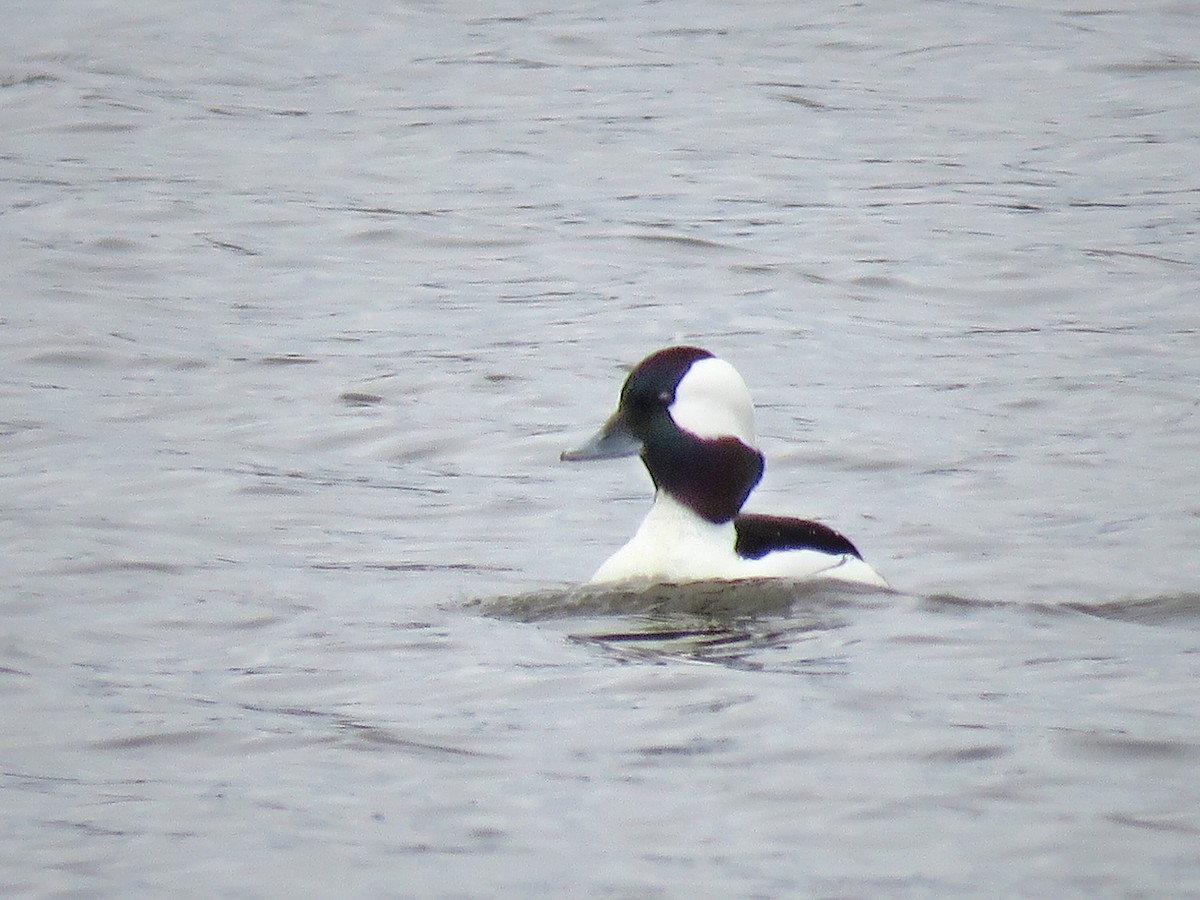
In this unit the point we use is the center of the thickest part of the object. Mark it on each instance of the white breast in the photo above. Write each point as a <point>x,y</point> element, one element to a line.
<point>672,544</point>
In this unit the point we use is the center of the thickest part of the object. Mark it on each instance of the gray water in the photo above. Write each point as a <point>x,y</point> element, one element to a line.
<point>302,300</point>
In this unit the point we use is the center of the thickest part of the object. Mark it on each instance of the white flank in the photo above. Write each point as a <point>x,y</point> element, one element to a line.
<point>674,544</point>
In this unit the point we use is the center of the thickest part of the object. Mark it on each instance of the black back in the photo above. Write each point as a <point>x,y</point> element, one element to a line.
<point>758,535</point>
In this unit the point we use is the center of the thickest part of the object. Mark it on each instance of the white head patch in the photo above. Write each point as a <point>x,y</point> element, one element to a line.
<point>712,401</point>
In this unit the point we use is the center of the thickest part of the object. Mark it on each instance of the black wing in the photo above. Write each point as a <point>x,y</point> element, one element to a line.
<point>759,535</point>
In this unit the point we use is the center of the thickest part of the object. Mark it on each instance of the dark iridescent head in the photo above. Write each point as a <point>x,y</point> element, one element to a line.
<point>689,416</point>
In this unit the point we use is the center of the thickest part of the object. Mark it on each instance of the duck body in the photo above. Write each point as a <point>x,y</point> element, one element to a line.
<point>690,418</point>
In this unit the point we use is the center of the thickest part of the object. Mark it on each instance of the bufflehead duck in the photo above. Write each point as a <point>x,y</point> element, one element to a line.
<point>690,417</point>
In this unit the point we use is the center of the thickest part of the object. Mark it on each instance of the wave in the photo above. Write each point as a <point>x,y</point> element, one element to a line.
<point>752,598</point>
<point>720,601</point>
<point>1164,609</point>
<point>731,623</point>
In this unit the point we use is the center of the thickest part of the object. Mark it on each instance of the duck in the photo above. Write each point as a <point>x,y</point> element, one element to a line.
<point>689,416</point>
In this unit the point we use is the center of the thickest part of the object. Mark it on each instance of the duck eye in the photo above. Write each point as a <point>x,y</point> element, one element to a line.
<point>666,397</point>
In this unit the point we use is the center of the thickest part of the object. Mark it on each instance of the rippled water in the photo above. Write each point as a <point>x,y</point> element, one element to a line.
<point>302,301</point>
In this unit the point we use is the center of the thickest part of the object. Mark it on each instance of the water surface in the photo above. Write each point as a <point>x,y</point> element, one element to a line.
<point>302,302</point>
